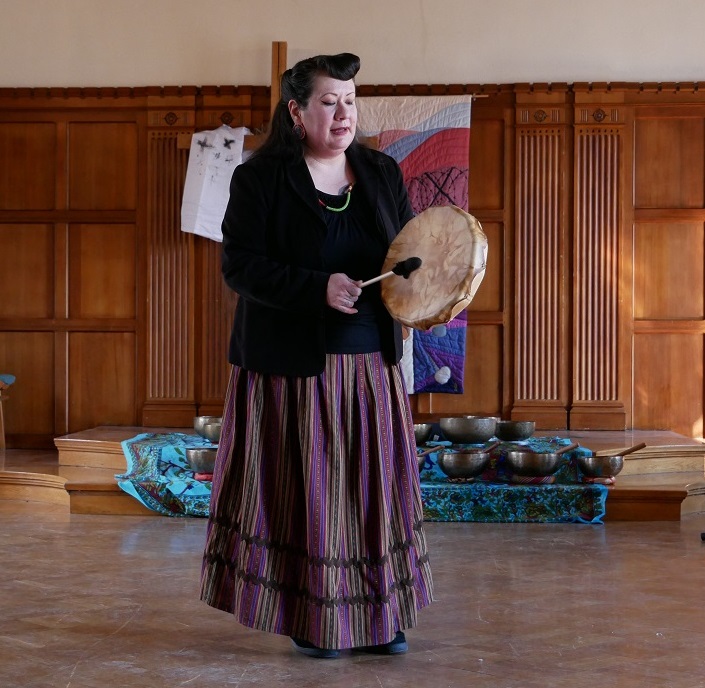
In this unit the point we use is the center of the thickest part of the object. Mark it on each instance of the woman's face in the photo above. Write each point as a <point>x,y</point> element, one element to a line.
<point>330,117</point>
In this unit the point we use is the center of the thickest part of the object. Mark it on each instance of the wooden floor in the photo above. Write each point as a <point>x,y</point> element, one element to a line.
<point>664,481</point>
<point>93,599</point>
<point>90,600</point>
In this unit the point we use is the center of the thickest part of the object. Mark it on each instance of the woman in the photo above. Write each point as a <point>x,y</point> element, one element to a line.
<point>315,528</point>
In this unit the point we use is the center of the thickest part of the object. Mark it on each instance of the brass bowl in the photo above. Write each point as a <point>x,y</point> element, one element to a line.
<point>463,464</point>
<point>468,429</point>
<point>211,431</point>
<point>200,421</point>
<point>515,430</point>
<point>600,466</point>
<point>534,464</point>
<point>422,431</point>
<point>201,459</point>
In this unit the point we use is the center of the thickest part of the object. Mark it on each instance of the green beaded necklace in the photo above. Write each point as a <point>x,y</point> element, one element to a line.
<point>348,191</point>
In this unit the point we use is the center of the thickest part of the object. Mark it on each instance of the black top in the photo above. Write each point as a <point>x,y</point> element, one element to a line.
<point>350,247</point>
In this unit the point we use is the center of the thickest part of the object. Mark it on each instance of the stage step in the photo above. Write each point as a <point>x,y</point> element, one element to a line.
<point>661,482</point>
<point>33,487</point>
<point>102,497</point>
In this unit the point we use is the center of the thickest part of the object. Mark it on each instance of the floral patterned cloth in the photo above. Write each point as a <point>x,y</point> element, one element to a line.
<point>499,496</point>
<point>158,475</point>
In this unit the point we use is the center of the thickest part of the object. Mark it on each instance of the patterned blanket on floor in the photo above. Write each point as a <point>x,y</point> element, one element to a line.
<point>159,476</point>
<point>429,136</point>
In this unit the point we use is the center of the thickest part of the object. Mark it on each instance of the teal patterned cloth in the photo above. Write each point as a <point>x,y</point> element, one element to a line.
<point>495,496</point>
<point>159,476</point>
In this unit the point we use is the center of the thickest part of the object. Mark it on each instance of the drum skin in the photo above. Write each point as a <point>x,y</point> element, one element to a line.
<point>453,251</point>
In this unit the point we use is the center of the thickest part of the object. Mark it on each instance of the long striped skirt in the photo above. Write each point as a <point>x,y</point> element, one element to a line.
<point>315,528</point>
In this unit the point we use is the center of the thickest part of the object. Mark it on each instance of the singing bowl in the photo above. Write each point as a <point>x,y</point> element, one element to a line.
<point>201,459</point>
<point>463,464</point>
<point>468,429</point>
<point>200,421</point>
<point>211,431</point>
<point>515,430</point>
<point>600,466</point>
<point>533,464</point>
<point>422,431</point>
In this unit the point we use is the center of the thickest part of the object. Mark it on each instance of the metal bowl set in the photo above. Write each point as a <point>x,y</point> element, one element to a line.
<point>515,430</point>
<point>533,464</point>
<point>600,466</point>
<point>463,465</point>
<point>201,459</point>
<point>208,427</point>
<point>468,429</point>
<point>422,431</point>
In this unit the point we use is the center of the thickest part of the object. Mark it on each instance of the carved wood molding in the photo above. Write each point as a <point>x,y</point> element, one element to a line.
<point>540,373</point>
<point>170,278</point>
<point>596,263</point>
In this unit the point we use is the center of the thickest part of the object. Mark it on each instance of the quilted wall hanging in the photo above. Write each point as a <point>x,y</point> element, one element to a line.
<point>429,136</point>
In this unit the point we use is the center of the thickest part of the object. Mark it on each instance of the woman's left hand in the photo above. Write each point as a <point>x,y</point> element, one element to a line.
<point>343,292</point>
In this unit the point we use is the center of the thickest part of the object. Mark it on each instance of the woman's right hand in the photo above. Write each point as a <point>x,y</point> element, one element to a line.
<point>343,292</point>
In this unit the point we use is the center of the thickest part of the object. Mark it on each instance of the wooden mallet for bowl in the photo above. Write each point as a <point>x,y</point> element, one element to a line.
<point>403,268</point>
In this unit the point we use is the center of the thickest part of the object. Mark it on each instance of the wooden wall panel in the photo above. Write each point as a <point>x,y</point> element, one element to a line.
<point>101,379</point>
<point>597,398</point>
<point>26,271</point>
<point>541,374</point>
<point>102,271</point>
<point>30,408</point>
<point>216,310</point>
<point>487,163</point>
<point>170,397</point>
<point>669,271</point>
<point>668,389</point>
<point>90,192</point>
<point>669,167</point>
<point>490,294</point>
<point>28,153</point>
<point>102,168</point>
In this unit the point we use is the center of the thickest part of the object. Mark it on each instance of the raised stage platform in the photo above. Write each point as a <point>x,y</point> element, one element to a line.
<point>661,482</point>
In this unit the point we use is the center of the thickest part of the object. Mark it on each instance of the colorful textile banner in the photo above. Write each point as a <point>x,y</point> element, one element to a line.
<point>429,136</point>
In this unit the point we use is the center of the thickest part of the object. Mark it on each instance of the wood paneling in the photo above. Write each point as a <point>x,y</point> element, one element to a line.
<point>669,276</point>
<point>27,165</point>
<point>102,168</point>
<point>541,373</point>
<point>30,358</point>
<point>26,271</point>
<point>484,358</point>
<point>592,198</point>
<point>216,308</point>
<point>597,397</point>
<point>101,379</point>
<point>489,296</point>
<point>668,384</point>
<point>487,164</point>
<point>171,288</point>
<point>102,271</point>
<point>668,162</point>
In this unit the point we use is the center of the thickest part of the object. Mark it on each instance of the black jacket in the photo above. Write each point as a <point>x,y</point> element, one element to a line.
<point>273,233</point>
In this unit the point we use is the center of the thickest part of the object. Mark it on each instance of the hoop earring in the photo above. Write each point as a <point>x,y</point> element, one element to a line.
<point>299,131</point>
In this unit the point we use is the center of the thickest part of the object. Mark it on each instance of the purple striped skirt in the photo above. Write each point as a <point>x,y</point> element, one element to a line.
<point>315,528</point>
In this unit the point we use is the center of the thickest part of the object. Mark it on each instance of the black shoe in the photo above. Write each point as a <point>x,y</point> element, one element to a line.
<point>306,648</point>
<point>398,646</point>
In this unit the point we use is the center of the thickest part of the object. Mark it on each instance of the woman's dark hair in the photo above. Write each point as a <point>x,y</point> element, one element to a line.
<point>297,84</point>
